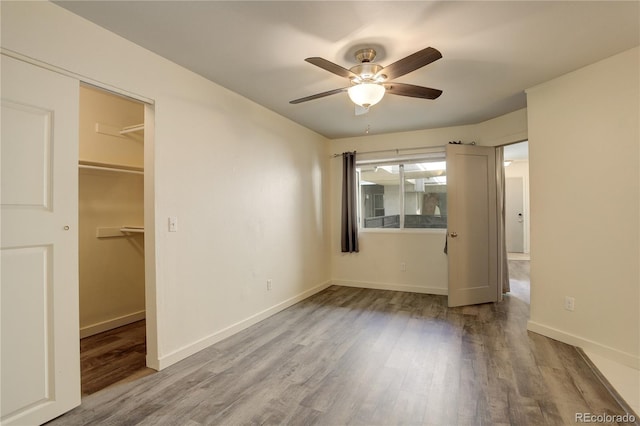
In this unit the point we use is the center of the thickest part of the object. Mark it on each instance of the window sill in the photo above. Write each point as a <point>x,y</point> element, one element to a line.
<point>437,231</point>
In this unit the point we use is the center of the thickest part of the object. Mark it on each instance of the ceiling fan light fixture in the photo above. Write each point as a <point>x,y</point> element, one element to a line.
<point>366,94</point>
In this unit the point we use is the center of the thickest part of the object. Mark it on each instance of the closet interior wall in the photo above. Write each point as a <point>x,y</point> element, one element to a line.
<point>112,287</point>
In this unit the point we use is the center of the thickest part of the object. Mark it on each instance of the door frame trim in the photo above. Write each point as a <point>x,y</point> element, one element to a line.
<point>84,79</point>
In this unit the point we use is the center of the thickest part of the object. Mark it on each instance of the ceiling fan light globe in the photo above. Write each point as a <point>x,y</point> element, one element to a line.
<point>366,94</point>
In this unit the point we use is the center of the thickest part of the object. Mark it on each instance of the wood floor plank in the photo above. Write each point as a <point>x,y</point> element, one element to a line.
<point>368,357</point>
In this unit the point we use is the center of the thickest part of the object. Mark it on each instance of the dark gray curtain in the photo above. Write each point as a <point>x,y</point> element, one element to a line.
<point>503,263</point>
<point>349,208</point>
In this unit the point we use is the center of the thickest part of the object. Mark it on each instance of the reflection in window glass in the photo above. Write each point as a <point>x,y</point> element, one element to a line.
<point>379,196</point>
<point>403,195</point>
<point>425,195</point>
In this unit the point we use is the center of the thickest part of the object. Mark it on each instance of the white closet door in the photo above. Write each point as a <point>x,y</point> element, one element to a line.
<point>39,238</point>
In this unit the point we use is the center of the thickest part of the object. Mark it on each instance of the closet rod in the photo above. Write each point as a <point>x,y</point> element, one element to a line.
<point>110,169</point>
<point>396,150</point>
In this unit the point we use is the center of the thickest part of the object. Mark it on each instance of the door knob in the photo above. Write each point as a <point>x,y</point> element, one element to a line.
<point>453,234</point>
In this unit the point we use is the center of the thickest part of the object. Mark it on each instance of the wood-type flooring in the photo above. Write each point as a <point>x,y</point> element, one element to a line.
<point>368,357</point>
<point>113,356</point>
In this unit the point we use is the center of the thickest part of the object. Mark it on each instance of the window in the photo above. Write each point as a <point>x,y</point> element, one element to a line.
<point>403,193</point>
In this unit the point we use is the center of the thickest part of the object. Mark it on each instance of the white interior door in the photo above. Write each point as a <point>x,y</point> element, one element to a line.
<point>39,289</point>
<point>472,225</point>
<point>514,214</point>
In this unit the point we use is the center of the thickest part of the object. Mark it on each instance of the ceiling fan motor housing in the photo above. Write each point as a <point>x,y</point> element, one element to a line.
<point>367,72</point>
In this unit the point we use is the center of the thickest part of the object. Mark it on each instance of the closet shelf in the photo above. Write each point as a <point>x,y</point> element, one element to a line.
<point>110,167</point>
<point>131,129</point>
<point>120,132</point>
<point>132,229</point>
<point>118,231</point>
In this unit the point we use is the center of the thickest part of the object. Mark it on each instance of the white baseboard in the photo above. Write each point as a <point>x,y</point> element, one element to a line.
<point>182,353</point>
<point>390,286</point>
<point>624,379</point>
<point>613,354</point>
<point>92,329</point>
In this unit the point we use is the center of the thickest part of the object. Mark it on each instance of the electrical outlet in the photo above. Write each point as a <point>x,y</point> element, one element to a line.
<point>569,303</point>
<point>269,285</point>
<point>403,266</point>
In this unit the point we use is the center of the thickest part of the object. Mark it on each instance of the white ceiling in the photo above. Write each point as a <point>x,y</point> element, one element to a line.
<point>517,152</point>
<point>492,51</point>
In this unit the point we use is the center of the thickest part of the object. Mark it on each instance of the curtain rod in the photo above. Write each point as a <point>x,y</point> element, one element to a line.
<point>397,150</point>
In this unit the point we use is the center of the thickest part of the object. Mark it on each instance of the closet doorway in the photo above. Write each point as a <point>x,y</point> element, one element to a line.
<point>516,161</point>
<point>113,344</point>
<point>517,208</point>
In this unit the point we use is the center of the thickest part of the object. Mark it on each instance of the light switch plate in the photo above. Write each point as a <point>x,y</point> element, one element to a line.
<point>173,224</point>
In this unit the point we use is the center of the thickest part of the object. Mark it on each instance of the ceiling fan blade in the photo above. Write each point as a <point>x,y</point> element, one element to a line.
<point>411,63</point>
<point>331,67</point>
<point>412,91</point>
<point>318,95</point>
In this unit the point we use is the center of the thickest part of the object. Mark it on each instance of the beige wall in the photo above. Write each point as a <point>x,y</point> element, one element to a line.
<point>210,276</point>
<point>111,113</point>
<point>378,264</point>
<point>111,271</point>
<point>584,162</point>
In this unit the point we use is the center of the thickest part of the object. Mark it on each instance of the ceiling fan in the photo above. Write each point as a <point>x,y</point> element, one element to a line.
<point>370,81</point>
